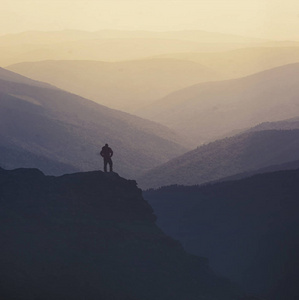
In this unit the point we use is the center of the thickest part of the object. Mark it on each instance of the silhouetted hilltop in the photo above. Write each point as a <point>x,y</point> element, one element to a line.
<point>243,153</point>
<point>248,229</point>
<point>92,236</point>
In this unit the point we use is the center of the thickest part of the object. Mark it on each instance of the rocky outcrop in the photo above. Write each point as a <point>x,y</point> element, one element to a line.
<point>92,236</point>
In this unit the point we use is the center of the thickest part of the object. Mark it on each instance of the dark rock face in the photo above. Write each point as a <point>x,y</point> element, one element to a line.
<point>248,229</point>
<point>92,236</point>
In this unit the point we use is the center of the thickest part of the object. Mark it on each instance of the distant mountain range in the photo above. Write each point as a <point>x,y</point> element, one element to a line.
<point>112,45</point>
<point>244,153</point>
<point>59,132</point>
<point>127,86</point>
<point>208,111</point>
<point>241,62</point>
<point>131,85</point>
<point>248,229</point>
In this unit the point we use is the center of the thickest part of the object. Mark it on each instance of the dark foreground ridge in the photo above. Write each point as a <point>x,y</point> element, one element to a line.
<point>92,236</point>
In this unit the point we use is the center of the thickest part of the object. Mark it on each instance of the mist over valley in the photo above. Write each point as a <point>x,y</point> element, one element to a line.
<point>204,128</point>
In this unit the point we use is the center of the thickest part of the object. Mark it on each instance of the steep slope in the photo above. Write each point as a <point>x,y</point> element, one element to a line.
<point>14,77</point>
<point>211,110</point>
<point>248,229</point>
<point>241,62</point>
<point>58,126</point>
<point>242,153</point>
<point>92,236</point>
<point>125,85</point>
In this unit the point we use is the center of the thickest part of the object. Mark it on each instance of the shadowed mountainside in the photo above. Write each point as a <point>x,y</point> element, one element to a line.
<point>230,156</point>
<point>292,165</point>
<point>55,126</point>
<point>92,236</point>
<point>208,111</point>
<point>248,229</point>
<point>127,85</point>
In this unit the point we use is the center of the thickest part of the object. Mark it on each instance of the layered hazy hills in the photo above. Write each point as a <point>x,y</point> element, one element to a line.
<point>98,49</point>
<point>230,156</point>
<point>207,111</point>
<point>288,124</point>
<point>248,229</point>
<point>92,236</point>
<point>241,62</point>
<point>130,85</point>
<point>112,45</point>
<point>127,85</point>
<point>55,126</point>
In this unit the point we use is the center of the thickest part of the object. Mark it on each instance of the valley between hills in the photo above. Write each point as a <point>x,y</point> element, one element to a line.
<point>208,126</point>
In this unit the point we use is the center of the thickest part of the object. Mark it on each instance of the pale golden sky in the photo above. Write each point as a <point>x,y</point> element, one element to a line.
<point>261,18</point>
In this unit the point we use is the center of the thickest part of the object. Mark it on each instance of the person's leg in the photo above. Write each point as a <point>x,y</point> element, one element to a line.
<point>105,165</point>
<point>110,165</point>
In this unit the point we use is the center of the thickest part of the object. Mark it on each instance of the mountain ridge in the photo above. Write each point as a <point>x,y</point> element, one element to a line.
<point>242,62</point>
<point>223,158</point>
<point>36,46</point>
<point>126,85</point>
<point>208,111</point>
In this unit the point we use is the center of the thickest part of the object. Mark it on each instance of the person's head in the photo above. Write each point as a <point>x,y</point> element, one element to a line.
<point>106,145</point>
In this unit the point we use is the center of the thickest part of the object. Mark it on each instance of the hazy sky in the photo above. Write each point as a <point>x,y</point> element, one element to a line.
<point>261,18</point>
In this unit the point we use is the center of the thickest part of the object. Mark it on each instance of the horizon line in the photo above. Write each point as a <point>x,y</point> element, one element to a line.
<point>147,31</point>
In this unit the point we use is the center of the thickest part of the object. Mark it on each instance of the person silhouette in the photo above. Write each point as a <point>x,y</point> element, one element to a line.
<point>107,153</point>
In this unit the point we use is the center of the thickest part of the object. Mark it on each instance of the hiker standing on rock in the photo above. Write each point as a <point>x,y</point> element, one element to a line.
<point>107,153</point>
